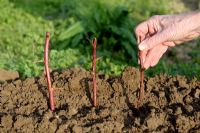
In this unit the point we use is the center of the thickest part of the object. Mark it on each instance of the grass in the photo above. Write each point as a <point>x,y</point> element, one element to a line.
<point>71,23</point>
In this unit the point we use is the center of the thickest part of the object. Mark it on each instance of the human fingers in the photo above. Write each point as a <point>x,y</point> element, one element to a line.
<point>154,55</point>
<point>142,57</point>
<point>141,31</point>
<point>149,43</point>
<point>170,44</point>
<point>159,55</point>
<point>141,54</point>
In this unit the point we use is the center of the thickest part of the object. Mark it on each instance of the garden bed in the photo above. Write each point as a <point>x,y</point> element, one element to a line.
<point>171,104</point>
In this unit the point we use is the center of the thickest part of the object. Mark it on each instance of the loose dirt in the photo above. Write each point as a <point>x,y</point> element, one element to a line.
<point>171,104</point>
<point>8,75</point>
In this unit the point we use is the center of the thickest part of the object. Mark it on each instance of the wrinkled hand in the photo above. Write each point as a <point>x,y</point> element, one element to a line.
<point>162,31</point>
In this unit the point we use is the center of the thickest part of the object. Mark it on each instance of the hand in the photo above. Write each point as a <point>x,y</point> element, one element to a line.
<point>160,32</point>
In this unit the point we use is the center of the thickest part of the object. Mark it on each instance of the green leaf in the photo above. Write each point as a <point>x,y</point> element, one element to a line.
<point>71,31</point>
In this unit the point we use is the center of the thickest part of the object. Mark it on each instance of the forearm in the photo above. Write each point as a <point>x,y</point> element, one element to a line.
<point>196,18</point>
<point>191,23</point>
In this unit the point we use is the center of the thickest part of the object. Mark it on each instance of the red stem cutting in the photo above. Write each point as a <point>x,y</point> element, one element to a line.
<point>94,43</point>
<point>46,51</point>
<point>141,94</point>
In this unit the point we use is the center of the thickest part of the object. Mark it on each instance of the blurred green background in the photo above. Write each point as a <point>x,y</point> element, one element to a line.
<point>71,23</point>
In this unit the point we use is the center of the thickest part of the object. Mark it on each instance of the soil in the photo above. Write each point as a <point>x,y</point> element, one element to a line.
<point>171,104</point>
<point>8,75</point>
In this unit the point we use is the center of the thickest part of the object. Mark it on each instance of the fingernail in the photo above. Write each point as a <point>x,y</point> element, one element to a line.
<point>142,47</point>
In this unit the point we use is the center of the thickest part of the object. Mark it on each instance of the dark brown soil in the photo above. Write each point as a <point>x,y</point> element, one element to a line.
<point>171,104</point>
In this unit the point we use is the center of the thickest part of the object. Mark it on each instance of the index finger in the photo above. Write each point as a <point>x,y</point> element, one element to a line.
<point>141,31</point>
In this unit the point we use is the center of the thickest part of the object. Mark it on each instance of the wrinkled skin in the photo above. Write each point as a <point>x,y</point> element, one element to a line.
<point>162,31</point>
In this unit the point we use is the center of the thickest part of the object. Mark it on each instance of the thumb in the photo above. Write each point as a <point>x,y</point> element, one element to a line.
<point>152,41</point>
